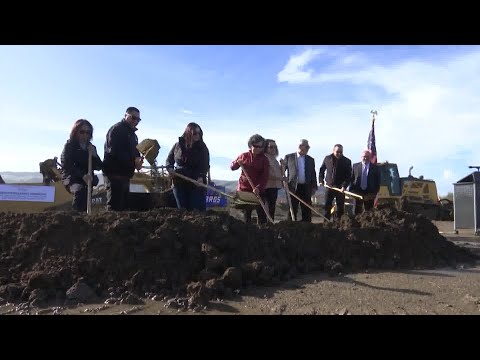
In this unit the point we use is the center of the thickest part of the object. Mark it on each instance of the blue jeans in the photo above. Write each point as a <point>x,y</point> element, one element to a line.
<point>190,197</point>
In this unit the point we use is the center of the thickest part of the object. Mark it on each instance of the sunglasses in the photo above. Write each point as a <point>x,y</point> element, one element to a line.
<point>85,132</point>
<point>136,118</point>
<point>257,146</point>
<point>197,133</point>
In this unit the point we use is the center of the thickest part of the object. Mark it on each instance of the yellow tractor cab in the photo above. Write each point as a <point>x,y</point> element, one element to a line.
<point>420,196</point>
<point>390,192</point>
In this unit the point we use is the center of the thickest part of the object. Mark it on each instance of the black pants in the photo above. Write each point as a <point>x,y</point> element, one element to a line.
<point>364,205</point>
<point>304,193</point>
<point>269,197</point>
<point>118,189</point>
<point>247,212</point>
<point>79,192</point>
<point>340,199</point>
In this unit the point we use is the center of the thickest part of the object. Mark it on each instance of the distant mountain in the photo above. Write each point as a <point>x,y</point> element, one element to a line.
<point>21,177</point>
<point>230,185</point>
<point>11,177</point>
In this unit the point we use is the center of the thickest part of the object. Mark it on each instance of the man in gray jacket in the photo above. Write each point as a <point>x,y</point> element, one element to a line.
<point>302,178</point>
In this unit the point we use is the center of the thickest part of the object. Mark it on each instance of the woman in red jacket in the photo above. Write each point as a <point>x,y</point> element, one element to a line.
<point>257,166</point>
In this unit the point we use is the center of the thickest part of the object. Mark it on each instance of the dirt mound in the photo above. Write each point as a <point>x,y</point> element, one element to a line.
<point>61,257</point>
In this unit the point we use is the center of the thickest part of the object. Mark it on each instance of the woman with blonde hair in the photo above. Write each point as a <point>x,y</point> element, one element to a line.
<point>274,177</point>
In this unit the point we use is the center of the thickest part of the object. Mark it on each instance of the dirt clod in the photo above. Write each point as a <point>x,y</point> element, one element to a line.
<point>187,259</point>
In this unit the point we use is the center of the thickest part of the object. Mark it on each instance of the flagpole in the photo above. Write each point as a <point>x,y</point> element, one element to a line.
<point>371,138</point>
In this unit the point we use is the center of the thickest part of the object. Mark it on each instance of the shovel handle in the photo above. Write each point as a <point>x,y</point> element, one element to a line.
<point>287,192</point>
<point>89,183</point>
<point>345,192</point>
<point>202,185</point>
<point>258,197</point>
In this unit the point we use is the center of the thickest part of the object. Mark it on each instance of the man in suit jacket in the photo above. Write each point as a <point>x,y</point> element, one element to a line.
<point>365,182</point>
<point>302,178</point>
<point>336,171</point>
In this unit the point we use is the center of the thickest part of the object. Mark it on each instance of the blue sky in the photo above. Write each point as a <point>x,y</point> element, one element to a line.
<point>426,98</point>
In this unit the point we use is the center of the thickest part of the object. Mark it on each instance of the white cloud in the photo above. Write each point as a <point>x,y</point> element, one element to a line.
<point>294,71</point>
<point>427,113</point>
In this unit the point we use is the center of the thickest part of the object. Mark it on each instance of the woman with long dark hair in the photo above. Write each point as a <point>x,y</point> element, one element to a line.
<point>189,157</point>
<point>74,160</point>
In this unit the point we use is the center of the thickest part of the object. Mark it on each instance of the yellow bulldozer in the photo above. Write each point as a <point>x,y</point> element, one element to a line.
<point>151,187</point>
<point>37,197</point>
<point>412,194</point>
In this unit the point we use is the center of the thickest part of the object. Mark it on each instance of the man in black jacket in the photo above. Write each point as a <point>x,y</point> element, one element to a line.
<point>338,174</point>
<point>365,182</point>
<point>302,178</point>
<point>121,158</point>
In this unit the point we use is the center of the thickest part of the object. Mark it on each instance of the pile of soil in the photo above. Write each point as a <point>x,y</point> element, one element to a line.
<point>60,257</point>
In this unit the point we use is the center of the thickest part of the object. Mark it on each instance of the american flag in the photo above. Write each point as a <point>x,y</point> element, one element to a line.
<point>371,144</point>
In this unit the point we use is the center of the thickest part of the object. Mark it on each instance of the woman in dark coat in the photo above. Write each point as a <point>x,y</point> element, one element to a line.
<point>74,160</point>
<point>189,157</point>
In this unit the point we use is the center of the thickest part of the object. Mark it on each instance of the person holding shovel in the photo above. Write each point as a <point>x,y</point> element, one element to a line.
<point>302,179</point>
<point>335,171</point>
<point>255,168</point>
<point>121,158</point>
<point>74,160</point>
<point>365,182</point>
<point>189,157</point>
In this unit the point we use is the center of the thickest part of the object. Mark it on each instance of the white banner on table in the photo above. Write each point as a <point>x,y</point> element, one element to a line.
<point>33,193</point>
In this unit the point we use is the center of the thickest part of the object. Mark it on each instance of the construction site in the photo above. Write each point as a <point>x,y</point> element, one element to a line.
<point>56,261</point>
<point>165,180</point>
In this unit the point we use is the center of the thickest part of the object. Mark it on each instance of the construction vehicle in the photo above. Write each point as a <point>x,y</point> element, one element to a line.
<point>390,193</point>
<point>37,197</point>
<point>415,195</point>
<point>151,187</point>
<point>147,190</point>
